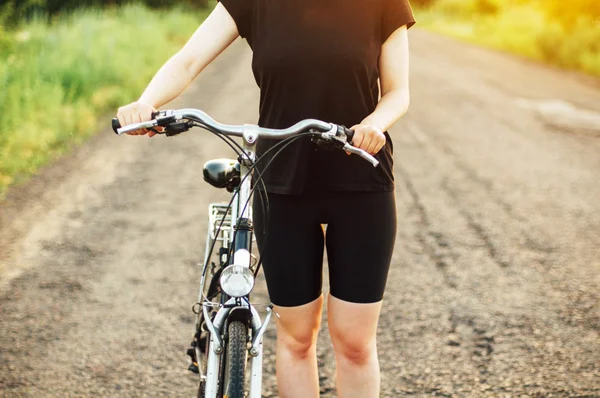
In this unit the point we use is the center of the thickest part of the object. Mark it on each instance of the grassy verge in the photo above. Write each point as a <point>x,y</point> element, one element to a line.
<point>56,79</point>
<point>519,27</point>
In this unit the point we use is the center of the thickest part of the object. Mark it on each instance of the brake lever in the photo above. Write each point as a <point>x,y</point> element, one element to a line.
<point>133,127</point>
<point>363,154</point>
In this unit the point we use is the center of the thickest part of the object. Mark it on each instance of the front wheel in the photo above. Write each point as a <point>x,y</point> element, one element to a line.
<point>236,360</point>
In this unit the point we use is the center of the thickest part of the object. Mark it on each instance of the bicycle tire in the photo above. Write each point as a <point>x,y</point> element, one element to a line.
<point>202,390</point>
<point>204,351</point>
<point>236,360</point>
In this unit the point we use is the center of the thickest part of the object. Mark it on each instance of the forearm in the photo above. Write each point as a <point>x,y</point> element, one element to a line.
<point>170,81</point>
<point>214,35</point>
<point>392,106</point>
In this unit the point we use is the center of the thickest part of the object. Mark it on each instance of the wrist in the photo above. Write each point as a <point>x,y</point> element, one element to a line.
<point>145,101</point>
<point>373,123</point>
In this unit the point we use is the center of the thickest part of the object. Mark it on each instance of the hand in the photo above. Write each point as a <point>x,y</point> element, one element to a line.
<point>368,138</point>
<point>136,112</point>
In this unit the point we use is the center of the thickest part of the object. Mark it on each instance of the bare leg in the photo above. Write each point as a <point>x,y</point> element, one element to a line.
<point>296,355</point>
<point>353,329</point>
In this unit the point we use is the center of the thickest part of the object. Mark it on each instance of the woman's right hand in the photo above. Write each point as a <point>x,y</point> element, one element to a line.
<point>136,112</point>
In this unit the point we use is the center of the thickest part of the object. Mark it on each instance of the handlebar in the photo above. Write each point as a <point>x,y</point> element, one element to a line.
<point>178,121</point>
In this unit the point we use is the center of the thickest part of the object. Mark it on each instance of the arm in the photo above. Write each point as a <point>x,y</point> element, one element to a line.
<point>215,34</point>
<point>393,67</point>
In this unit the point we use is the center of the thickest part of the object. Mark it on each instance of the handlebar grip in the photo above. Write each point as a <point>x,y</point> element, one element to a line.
<point>117,125</point>
<point>349,133</point>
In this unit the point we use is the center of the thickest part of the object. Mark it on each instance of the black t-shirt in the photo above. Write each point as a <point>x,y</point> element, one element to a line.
<point>319,59</point>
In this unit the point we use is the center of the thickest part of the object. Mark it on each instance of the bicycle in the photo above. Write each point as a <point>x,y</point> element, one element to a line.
<point>228,328</point>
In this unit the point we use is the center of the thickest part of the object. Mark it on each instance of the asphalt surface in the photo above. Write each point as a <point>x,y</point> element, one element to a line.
<point>494,286</point>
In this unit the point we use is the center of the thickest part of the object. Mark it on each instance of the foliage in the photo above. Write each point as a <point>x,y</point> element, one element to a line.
<point>568,13</point>
<point>565,13</point>
<point>465,8</point>
<point>564,34</point>
<point>576,46</point>
<point>13,11</point>
<point>422,3</point>
<point>57,78</point>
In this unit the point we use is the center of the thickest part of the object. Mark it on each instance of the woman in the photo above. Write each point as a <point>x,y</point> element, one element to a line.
<point>328,60</point>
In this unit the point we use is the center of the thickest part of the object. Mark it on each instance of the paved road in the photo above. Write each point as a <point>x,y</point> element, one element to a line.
<point>494,286</point>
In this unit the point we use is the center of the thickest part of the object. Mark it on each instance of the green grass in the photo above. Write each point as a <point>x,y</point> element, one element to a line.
<point>521,28</point>
<point>57,79</point>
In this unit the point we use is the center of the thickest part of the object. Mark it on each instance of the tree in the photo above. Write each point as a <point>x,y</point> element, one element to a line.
<point>12,11</point>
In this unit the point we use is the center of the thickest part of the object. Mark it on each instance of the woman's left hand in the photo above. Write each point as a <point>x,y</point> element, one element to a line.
<point>368,138</point>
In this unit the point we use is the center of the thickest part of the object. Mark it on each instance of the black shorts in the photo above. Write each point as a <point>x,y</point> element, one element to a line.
<point>359,237</point>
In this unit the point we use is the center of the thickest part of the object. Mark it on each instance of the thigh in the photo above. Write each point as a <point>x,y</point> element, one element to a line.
<point>360,242</point>
<point>290,241</point>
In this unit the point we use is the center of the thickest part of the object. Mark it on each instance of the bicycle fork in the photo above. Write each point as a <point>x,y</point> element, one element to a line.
<point>216,346</point>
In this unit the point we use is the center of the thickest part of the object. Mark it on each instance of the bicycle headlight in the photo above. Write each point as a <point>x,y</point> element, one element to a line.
<point>237,280</point>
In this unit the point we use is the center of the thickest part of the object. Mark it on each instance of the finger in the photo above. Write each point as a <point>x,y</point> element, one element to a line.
<point>367,141</point>
<point>380,145</point>
<point>127,119</point>
<point>364,141</point>
<point>373,141</point>
<point>137,118</point>
<point>358,138</point>
<point>121,120</point>
<point>372,149</point>
<point>354,130</point>
<point>127,122</point>
<point>155,131</point>
<point>142,131</point>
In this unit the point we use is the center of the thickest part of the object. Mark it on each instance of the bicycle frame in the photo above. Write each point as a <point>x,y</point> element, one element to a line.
<point>238,237</point>
<point>240,228</point>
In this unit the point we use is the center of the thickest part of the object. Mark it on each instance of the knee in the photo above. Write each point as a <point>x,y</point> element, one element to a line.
<point>355,349</point>
<point>298,341</point>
